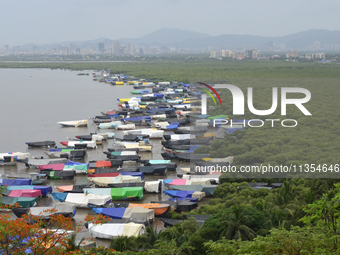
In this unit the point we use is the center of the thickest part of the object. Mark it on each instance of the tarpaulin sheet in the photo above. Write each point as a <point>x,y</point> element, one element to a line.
<point>45,190</point>
<point>178,182</point>
<point>180,193</point>
<point>16,182</point>
<point>103,163</point>
<point>22,201</point>
<point>59,196</point>
<point>54,167</point>
<point>152,186</point>
<point>114,213</point>
<point>127,192</point>
<point>25,193</point>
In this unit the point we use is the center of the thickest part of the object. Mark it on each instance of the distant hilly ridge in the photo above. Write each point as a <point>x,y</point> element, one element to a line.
<point>194,40</point>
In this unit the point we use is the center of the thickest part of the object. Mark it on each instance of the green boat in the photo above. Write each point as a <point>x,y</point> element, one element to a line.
<point>128,193</point>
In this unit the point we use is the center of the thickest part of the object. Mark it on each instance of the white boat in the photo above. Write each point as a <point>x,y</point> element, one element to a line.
<point>112,124</point>
<point>84,200</point>
<point>153,186</point>
<point>35,163</point>
<point>113,230</point>
<point>152,133</point>
<point>126,127</point>
<point>73,123</point>
<point>18,155</point>
<point>71,144</point>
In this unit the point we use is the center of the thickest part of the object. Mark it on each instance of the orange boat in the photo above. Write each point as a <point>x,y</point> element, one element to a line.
<point>160,209</point>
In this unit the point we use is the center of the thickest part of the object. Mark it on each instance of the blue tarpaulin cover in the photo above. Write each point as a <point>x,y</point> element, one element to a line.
<point>59,196</point>
<point>114,213</point>
<point>179,193</point>
<point>15,182</point>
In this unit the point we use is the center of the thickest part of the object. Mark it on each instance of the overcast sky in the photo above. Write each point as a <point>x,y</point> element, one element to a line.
<point>51,21</point>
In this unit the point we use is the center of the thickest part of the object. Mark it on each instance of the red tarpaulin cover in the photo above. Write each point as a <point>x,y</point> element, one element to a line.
<point>103,163</point>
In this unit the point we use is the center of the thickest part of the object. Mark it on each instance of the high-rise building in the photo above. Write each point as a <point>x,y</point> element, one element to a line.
<point>129,50</point>
<point>101,47</point>
<point>115,48</point>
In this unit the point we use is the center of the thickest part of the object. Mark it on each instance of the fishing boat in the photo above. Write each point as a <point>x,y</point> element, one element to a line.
<point>83,200</point>
<point>22,193</point>
<point>64,175</point>
<point>126,127</point>
<point>73,188</point>
<point>113,181</point>
<point>83,144</point>
<point>105,163</point>
<point>125,193</point>
<point>12,157</point>
<point>38,178</point>
<point>161,210</point>
<point>45,213</point>
<point>139,91</point>
<point>153,186</point>
<point>191,181</point>
<point>66,153</point>
<point>108,125</point>
<point>113,230</point>
<point>207,189</point>
<point>135,214</point>
<point>73,123</point>
<point>169,166</point>
<point>22,201</point>
<point>183,195</point>
<point>35,163</point>
<point>152,170</point>
<point>152,133</point>
<point>41,144</point>
<point>45,190</point>
<point>141,146</point>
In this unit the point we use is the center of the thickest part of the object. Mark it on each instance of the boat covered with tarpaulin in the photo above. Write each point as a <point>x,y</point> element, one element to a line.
<point>67,210</point>
<point>41,144</point>
<point>22,201</point>
<point>128,193</point>
<point>113,230</point>
<point>112,181</point>
<point>135,214</point>
<point>83,200</point>
<point>45,190</point>
<point>64,175</point>
<point>207,189</point>
<point>73,188</point>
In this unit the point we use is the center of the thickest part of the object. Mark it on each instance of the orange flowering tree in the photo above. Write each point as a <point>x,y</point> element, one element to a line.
<point>21,236</point>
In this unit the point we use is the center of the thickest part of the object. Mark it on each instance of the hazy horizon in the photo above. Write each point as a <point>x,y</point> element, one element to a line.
<point>45,22</point>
